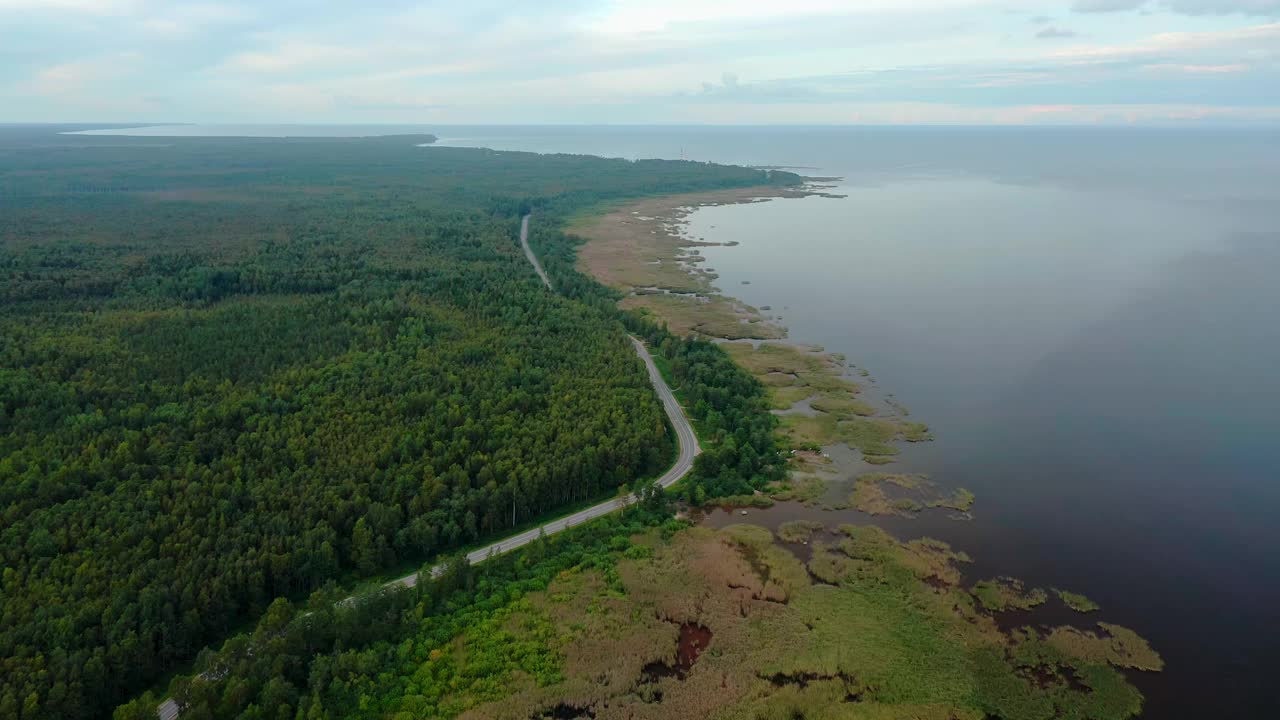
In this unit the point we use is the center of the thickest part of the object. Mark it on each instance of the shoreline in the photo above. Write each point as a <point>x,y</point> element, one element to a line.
<point>835,483</point>
<point>642,249</point>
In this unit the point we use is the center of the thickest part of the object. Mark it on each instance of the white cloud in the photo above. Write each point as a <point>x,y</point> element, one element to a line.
<point>1224,7</point>
<point>1054,33</point>
<point>647,16</point>
<point>1187,7</point>
<point>1197,69</point>
<point>1236,40</point>
<point>602,60</point>
<point>69,78</point>
<point>187,19</point>
<point>95,7</point>
<point>906,113</point>
<point>1102,6</point>
<point>293,55</point>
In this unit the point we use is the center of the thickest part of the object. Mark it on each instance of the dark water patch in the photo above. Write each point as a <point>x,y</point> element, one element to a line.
<point>565,711</point>
<point>1050,614</point>
<point>802,680</point>
<point>803,553</point>
<point>693,640</point>
<point>1053,676</point>
<point>819,581</point>
<point>937,583</point>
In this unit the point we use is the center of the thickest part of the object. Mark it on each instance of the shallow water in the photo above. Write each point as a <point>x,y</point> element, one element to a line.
<point>1088,321</point>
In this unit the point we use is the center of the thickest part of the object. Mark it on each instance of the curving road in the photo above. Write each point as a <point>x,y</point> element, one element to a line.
<point>688,443</point>
<point>528,251</point>
<point>686,440</point>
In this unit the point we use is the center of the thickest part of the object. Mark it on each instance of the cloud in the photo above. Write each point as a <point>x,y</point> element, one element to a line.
<point>1197,69</point>
<point>71,78</point>
<point>916,113</point>
<point>1227,67</point>
<point>1053,33</point>
<point>1102,6</point>
<point>93,7</point>
<point>651,16</point>
<point>1186,7</point>
<point>635,61</point>
<point>405,105</point>
<point>186,19</point>
<point>1234,42</point>
<point>292,55</point>
<point>1224,7</point>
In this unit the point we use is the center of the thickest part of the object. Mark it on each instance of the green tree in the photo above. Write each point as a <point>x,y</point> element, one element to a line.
<point>364,553</point>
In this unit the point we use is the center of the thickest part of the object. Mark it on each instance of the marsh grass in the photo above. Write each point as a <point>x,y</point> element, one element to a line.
<point>1076,601</point>
<point>870,494</point>
<point>800,487</point>
<point>784,397</point>
<point>798,531</point>
<point>961,499</point>
<point>743,501</point>
<point>1006,593</point>
<point>905,495</point>
<point>711,315</point>
<point>842,406</point>
<point>793,373</point>
<point>871,628</point>
<point>1116,645</point>
<point>637,249</point>
<point>915,432</point>
<point>870,435</point>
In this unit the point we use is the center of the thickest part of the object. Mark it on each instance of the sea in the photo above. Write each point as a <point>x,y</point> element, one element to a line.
<point>1088,319</point>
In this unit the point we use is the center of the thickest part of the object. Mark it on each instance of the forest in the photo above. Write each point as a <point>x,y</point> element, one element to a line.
<point>234,371</point>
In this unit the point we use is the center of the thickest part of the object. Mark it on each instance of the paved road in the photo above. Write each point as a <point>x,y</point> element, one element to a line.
<point>684,463</point>
<point>685,438</point>
<point>687,441</point>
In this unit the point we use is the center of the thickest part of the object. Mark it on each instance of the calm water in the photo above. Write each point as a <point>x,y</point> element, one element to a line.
<point>1089,320</point>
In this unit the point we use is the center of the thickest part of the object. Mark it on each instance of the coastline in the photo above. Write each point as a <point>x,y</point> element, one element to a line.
<point>642,250</point>
<point>837,497</point>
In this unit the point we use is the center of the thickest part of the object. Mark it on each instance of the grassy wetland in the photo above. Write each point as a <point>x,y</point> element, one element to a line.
<point>904,495</point>
<point>824,618</point>
<point>728,624</point>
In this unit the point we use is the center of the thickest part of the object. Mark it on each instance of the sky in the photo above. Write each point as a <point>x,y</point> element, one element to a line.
<point>1185,62</point>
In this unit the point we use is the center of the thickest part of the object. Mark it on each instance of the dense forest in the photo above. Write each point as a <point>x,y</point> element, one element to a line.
<point>235,370</point>
<point>327,659</point>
